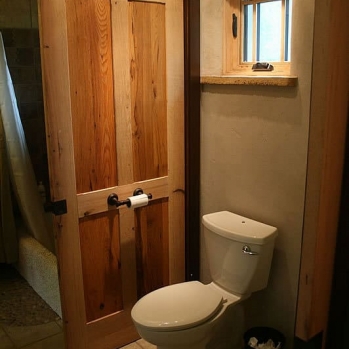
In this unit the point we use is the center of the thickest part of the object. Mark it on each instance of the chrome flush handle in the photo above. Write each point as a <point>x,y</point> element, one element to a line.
<point>247,250</point>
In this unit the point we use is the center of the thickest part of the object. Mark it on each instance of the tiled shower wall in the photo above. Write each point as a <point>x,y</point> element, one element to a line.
<point>19,28</point>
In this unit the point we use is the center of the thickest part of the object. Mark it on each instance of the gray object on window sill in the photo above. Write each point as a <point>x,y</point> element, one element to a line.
<point>262,67</point>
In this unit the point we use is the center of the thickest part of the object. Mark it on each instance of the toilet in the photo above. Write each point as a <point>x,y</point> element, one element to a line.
<point>197,316</point>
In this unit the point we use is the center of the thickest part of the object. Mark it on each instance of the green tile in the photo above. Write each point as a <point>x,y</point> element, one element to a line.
<point>5,342</point>
<point>131,346</point>
<point>15,14</point>
<point>145,345</point>
<point>59,323</point>
<point>54,342</point>
<point>25,335</point>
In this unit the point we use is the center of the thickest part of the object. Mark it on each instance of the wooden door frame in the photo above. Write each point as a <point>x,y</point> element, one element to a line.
<point>338,315</point>
<point>328,119</point>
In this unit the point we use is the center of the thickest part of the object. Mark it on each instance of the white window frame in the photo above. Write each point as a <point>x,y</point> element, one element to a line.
<point>233,63</point>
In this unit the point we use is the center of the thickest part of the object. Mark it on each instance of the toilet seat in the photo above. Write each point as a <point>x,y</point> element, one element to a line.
<point>177,307</point>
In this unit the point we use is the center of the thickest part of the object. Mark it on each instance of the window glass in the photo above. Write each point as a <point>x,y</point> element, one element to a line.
<point>288,21</point>
<point>257,31</point>
<point>268,31</point>
<point>248,33</point>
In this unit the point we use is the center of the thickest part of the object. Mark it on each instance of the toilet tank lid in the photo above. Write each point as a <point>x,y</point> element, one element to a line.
<point>177,307</point>
<point>239,228</point>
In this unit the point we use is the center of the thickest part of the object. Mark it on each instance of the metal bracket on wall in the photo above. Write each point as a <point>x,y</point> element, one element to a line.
<point>234,26</point>
<point>58,208</point>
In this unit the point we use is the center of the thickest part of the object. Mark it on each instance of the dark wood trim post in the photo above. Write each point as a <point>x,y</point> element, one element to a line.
<point>192,136</point>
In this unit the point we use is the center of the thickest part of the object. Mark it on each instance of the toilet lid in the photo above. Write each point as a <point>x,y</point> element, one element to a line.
<point>177,306</point>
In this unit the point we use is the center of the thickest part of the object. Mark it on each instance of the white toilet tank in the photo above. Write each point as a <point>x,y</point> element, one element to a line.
<point>239,251</point>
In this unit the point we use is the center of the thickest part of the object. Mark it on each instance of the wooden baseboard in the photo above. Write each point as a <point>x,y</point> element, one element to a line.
<point>313,343</point>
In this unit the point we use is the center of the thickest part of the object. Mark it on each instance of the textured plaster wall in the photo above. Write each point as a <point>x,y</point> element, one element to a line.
<point>254,143</point>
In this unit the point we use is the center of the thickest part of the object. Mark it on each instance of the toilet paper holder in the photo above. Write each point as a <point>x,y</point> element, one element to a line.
<point>113,199</point>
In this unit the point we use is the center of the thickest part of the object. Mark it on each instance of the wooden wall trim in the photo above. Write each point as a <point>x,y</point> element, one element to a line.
<point>313,343</point>
<point>56,83</point>
<point>338,324</point>
<point>192,137</point>
<point>328,118</point>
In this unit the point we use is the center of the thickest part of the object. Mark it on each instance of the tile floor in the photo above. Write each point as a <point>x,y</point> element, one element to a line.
<point>45,336</point>
<point>24,332</point>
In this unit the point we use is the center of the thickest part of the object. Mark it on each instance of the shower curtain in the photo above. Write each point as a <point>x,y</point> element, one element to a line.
<point>19,167</point>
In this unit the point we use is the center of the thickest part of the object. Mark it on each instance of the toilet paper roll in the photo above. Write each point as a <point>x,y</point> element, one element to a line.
<point>138,201</point>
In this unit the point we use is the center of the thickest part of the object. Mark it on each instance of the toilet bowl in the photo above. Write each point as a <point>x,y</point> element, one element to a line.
<point>197,316</point>
<point>188,315</point>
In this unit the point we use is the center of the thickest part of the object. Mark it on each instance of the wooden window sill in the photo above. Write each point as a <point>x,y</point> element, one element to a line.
<point>270,80</point>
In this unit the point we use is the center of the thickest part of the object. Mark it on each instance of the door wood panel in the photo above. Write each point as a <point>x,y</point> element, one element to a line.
<point>152,247</point>
<point>91,93</point>
<point>148,90</point>
<point>114,97</point>
<point>101,263</point>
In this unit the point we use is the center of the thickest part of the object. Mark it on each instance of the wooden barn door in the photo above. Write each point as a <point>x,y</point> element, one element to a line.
<point>113,78</point>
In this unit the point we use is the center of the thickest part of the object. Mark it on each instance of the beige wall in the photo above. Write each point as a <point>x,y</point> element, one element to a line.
<point>18,14</point>
<point>254,153</point>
